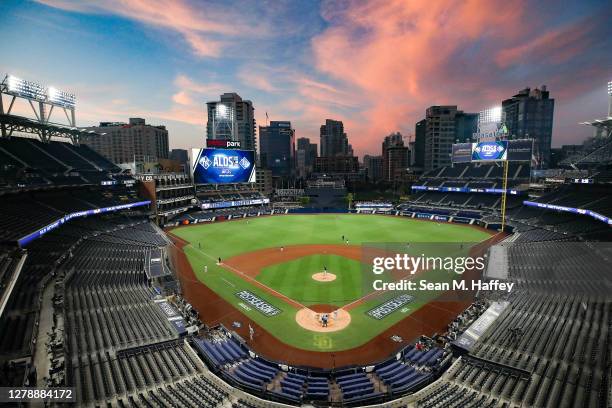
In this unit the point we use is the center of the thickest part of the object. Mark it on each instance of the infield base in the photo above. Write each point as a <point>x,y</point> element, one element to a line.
<point>311,319</point>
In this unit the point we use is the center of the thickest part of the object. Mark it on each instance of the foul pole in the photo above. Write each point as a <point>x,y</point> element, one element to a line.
<point>504,193</point>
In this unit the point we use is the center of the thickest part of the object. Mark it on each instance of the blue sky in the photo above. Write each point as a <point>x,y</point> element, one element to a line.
<point>376,65</point>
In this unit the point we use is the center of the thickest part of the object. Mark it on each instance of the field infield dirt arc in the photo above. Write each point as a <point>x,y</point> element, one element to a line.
<point>431,318</point>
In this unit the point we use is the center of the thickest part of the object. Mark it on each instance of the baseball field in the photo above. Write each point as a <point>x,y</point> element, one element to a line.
<point>274,268</point>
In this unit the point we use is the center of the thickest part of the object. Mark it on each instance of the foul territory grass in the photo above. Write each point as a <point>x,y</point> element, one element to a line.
<point>207,242</point>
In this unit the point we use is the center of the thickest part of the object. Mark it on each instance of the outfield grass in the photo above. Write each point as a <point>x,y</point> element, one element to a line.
<point>227,239</point>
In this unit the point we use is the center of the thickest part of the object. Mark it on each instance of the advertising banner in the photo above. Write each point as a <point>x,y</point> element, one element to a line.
<point>238,203</point>
<point>39,233</point>
<point>462,153</point>
<point>581,211</point>
<point>384,310</point>
<point>467,190</point>
<point>520,150</point>
<point>258,303</point>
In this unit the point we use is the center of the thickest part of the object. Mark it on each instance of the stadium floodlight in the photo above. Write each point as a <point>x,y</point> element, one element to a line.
<point>222,111</point>
<point>60,98</point>
<point>491,115</point>
<point>26,89</point>
<point>12,82</point>
<point>609,87</point>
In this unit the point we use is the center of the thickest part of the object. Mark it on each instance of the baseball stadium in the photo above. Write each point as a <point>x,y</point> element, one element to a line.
<point>304,265</point>
<point>241,275</point>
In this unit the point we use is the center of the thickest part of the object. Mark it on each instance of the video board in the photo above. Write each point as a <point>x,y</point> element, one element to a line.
<point>510,150</point>
<point>490,151</point>
<point>219,166</point>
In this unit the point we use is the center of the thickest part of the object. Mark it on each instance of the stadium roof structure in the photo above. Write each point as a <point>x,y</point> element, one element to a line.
<point>603,134</point>
<point>12,123</point>
<point>603,124</point>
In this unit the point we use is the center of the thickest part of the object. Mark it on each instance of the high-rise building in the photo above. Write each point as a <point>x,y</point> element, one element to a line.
<point>374,167</point>
<point>466,126</point>
<point>277,148</point>
<point>179,155</point>
<point>439,136</point>
<point>444,126</point>
<point>133,142</point>
<point>529,115</point>
<point>182,157</point>
<point>419,143</point>
<point>232,118</point>
<point>345,166</point>
<point>263,181</point>
<point>334,141</point>
<point>336,153</point>
<point>395,156</point>
<point>305,157</point>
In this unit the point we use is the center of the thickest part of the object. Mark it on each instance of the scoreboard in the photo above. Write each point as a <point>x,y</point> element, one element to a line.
<point>219,166</point>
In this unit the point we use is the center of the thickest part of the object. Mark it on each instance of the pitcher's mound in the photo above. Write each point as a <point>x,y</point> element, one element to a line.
<point>311,320</point>
<point>324,277</point>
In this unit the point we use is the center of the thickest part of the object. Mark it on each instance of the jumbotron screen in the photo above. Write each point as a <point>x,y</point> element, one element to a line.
<point>218,166</point>
<point>510,150</point>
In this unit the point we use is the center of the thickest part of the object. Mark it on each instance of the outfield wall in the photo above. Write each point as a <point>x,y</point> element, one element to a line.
<point>425,216</point>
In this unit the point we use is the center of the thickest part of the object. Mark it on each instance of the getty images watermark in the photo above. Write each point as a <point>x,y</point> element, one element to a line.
<point>450,271</point>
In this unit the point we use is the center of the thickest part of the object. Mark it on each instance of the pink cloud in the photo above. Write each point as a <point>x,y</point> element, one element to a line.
<point>189,101</point>
<point>203,90</point>
<point>182,98</point>
<point>257,80</point>
<point>397,55</point>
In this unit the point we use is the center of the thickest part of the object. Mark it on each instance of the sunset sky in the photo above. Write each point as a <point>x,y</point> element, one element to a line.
<point>375,65</point>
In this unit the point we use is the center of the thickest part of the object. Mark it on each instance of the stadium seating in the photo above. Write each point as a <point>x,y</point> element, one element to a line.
<point>9,262</point>
<point>549,347</point>
<point>27,212</point>
<point>471,175</point>
<point>28,162</point>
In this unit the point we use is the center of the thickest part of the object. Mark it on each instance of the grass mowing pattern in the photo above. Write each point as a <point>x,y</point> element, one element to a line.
<point>226,239</point>
<point>294,280</point>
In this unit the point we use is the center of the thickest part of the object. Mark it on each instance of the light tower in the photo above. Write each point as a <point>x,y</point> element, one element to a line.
<point>609,99</point>
<point>223,122</point>
<point>490,124</point>
<point>603,127</point>
<point>42,101</point>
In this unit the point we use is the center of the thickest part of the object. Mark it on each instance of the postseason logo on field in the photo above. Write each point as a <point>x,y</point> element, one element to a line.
<point>390,306</point>
<point>258,303</point>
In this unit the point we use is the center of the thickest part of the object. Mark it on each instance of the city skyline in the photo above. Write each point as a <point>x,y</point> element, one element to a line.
<point>375,66</point>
